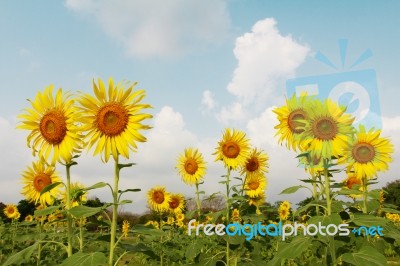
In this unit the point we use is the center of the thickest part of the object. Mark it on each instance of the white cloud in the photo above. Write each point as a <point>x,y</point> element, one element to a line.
<point>265,59</point>
<point>261,129</point>
<point>157,28</point>
<point>207,102</point>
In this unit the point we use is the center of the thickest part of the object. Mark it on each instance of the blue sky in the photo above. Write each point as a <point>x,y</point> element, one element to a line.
<point>203,65</point>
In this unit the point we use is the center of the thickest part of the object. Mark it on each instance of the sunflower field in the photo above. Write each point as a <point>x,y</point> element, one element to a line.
<point>345,222</point>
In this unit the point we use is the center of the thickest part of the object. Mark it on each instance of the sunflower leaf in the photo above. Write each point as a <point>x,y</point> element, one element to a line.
<point>46,211</point>
<point>22,256</point>
<point>367,255</point>
<point>291,190</point>
<point>95,186</point>
<point>129,190</point>
<point>122,165</point>
<point>123,202</point>
<point>84,211</point>
<point>50,187</point>
<point>85,259</point>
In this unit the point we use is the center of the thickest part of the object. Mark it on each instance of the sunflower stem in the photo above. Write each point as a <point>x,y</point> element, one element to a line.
<point>227,211</point>
<point>365,194</point>
<point>315,193</point>
<point>114,213</point>
<point>327,189</point>
<point>68,207</point>
<point>198,201</point>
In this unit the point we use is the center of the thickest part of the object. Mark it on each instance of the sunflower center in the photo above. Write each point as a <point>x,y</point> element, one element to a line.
<point>325,128</point>
<point>353,181</point>
<point>174,203</point>
<point>10,210</point>
<point>363,152</point>
<point>53,127</point>
<point>191,166</point>
<point>253,185</point>
<point>294,123</point>
<point>231,149</point>
<point>112,119</point>
<point>158,197</point>
<point>41,181</point>
<point>252,165</point>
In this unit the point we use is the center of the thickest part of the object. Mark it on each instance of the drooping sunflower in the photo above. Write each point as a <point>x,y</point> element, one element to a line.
<point>112,119</point>
<point>255,185</point>
<point>158,199</point>
<point>327,130</point>
<point>191,166</point>
<point>256,163</point>
<point>368,153</point>
<point>53,125</point>
<point>233,149</point>
<point>11,211</point>
<point>291,120</point>
<point>258,200</point>
<point>349,183</point>
<point>35,178</point>
<point>176,203</point>
<point>78,197</point>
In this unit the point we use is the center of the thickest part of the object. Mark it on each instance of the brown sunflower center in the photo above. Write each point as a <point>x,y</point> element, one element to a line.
<point>231,149</point>
<point>41,181</point>
<point>293,121</point>
<point>10,210</point>
<point>352,181</point>
<point>174,203</point>
<point>253,185</point>
<point>158,197</point>
<point>325,128</point>
<point>112,119</point>
<point>191,166</point>
<point>252,164</point>
<point>363,152</point>
<point>53,127</point>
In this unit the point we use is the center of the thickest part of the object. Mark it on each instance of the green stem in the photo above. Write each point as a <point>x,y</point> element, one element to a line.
<point>227,212</point>
<point>365,194</point>
<point>115,213</point>
<point>81,234</point>
<point>315,192</point>
<point>198,202</point>
<point>327,189</point>
<point>68,207</point>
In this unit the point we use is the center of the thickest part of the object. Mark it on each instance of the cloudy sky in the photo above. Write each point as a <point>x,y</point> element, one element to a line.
<point>205,65</point>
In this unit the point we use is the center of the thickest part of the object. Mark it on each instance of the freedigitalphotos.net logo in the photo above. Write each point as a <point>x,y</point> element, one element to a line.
<point>282,230</point>
<point>356,89</point>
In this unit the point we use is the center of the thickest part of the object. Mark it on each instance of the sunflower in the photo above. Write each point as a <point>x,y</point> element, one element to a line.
<point>233,149</point>
<point>349,183</point>
<point>11,211</point>
<point>256,163</point>
<point>180,217</point>
<point>285,205</point>
<point>191,166</point>
<point>52,122</point>
<point>283,213</point>
<point>258,200</point>
<point>368,153</point>
<point>176,203</point>
<point>28,218</point>
<point>327,130</point>
<point>35,179</point>
<point>113,119</point>
<point>78,196</point>
<point>291,120</point>
<point>235,217</point>
<point>158,199</point>
<point>255,185</point>
<point>125,228</point>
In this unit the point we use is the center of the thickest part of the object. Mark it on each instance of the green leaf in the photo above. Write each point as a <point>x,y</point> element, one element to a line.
<point>95,186</point>
<point>84,211</point>
<point>121,165</point>
<point>391,231</point>
<point>326,220</point>
<point>123,202</point>
<point>293,249</point>
<point>140,229</point>
<point>50,187</point>
<point>22,256</point>
<point>130,190</point>
<point>47,211</point>
<point>367,255</point>
<point>390,210</point>
<point>291,190</point>
<point>235,240</point>
<point>193,250</point>
<point>85,259</point>
<point>368,220</point>
<point>349,192</point>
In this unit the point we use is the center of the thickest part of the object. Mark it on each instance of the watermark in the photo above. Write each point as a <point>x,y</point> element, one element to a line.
<point>356,89</point>
<point>280,230</point>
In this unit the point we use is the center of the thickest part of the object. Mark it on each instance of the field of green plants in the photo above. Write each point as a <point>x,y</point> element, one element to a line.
<point>65,231</point>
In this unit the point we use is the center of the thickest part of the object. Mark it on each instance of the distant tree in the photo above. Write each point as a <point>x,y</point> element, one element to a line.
<point>2,215</point>
<point>94,202</point>
<point>392,195</point>
<point>25,208</point>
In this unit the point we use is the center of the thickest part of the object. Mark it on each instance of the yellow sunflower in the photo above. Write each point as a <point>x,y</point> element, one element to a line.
<point>112,119</point>
<point>36,178</point>
<point>176,203</point>
<point>283,213</point>
<point>368,153</point>
<point>256,163</point>
<point>191,166</point>
<point>285,205</point>
<point>349,183</point>
<point>233,149</point>
<point>255,185</point>
<point>11,211</point>
<point>180,217</point>
<point>158,199</point>
<point>328,129</point>
<point>78,197</point>
<point>28,218</point>
<point>52,122</point>
<point>125,228</point>
<point>258,200</point>
<point>291,120</point>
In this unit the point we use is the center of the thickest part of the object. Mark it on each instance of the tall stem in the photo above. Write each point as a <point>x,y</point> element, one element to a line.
<point>327,189</point>
<point>365,194</point>
<point>115,212</point>
<point>315,192</point>
<point>227,212</point>
<point>198,202</point>
<point>68,207</point>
